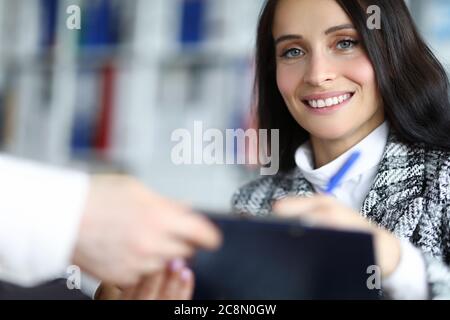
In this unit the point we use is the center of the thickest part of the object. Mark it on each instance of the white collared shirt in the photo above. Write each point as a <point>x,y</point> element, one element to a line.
<point>358,180</point>
<point>408,281</point>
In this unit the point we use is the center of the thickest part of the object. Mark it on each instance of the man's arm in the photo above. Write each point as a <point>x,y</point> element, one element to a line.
<point>112,227</point>
<point>40,212</point>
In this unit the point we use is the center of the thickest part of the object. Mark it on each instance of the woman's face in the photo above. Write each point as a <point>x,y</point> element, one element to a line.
<point>323,72</point>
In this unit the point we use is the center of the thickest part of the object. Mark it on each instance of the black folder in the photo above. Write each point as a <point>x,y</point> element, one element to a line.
<point>278,259</point>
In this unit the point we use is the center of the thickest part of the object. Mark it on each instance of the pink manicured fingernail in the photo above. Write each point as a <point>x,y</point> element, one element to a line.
<point>186,274</point>
<point>176,265</point>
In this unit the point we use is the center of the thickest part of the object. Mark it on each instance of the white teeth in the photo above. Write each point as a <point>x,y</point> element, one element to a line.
<point>329,102</point>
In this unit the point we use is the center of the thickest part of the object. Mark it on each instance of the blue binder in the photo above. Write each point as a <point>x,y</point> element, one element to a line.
<point>192,22</point>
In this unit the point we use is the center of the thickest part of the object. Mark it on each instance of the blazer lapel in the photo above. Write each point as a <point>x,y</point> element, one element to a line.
<point>395,200</point>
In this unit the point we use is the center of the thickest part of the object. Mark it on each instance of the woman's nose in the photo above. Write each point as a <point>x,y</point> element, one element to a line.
<point>319,70</point>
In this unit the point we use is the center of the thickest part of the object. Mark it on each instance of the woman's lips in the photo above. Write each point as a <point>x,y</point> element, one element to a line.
<point>321,100</point>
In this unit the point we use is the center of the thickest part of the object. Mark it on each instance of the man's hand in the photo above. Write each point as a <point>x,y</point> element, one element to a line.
<point>127,231</point>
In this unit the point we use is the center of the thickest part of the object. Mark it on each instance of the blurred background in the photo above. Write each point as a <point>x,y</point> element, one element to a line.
<point>107,98</point>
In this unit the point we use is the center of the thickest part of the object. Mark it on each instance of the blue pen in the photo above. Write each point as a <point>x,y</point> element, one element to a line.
<point>336,179</point>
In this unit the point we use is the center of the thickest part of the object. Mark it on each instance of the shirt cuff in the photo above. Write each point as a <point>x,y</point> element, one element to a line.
<point>89,285</point>
<point>408,281</point>
<point>40,213</point>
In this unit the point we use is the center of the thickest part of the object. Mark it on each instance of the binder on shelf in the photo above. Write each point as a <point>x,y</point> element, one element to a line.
<point>100,25</point>
<point>86,110</point>
<point>192,22</point>
<point>49,17</point>
<point>104,121</point>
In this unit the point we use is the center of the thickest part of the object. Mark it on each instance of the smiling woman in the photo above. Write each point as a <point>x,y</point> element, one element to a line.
<point>332,85</point>
<point>319,61</point>
<point>307,48</point>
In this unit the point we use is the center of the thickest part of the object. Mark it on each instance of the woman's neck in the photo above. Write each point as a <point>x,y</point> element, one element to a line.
<point>326,150</point>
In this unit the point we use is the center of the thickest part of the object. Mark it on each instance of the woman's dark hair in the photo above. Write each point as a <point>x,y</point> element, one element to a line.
<point>412,83</point>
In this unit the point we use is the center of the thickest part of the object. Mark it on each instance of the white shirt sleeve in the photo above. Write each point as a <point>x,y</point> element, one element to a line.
<point>89,285</point>
<point>40,213</point>
<point>408,281</point>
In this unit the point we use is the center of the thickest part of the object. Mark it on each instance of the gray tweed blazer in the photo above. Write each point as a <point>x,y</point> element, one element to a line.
<point>410,197</point>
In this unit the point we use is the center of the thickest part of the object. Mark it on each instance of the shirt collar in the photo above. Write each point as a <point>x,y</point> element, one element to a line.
<point>371,148</point>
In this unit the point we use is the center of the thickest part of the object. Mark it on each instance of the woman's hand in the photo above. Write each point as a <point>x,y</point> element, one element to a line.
<point>328,212</point>
<point>175,282</point>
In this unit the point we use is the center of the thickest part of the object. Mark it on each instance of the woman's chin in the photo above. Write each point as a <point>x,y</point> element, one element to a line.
<point>330,134</point>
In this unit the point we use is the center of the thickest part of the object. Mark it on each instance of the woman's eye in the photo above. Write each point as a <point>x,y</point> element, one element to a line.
<point>346,44</point>
<point>292,53</point>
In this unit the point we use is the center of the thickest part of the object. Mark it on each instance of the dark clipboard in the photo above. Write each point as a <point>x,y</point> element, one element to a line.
<point>266,258</point>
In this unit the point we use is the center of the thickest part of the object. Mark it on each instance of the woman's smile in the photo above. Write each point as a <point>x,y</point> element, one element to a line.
<point>325,103</point>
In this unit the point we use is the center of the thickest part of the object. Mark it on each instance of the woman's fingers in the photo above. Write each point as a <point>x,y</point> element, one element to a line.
<point>295,207</point>
<point>322,211</point>
<point>146,289</point>
<point>179,284</point>
<point>175,282</point>
<point>150,286</point>
<point>310,211</point>
<point>187,285</point>
<point>171,276</point>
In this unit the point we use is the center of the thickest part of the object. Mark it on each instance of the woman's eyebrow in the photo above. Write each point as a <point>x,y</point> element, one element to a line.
<point>289,37</point>
<point>340,27</point>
